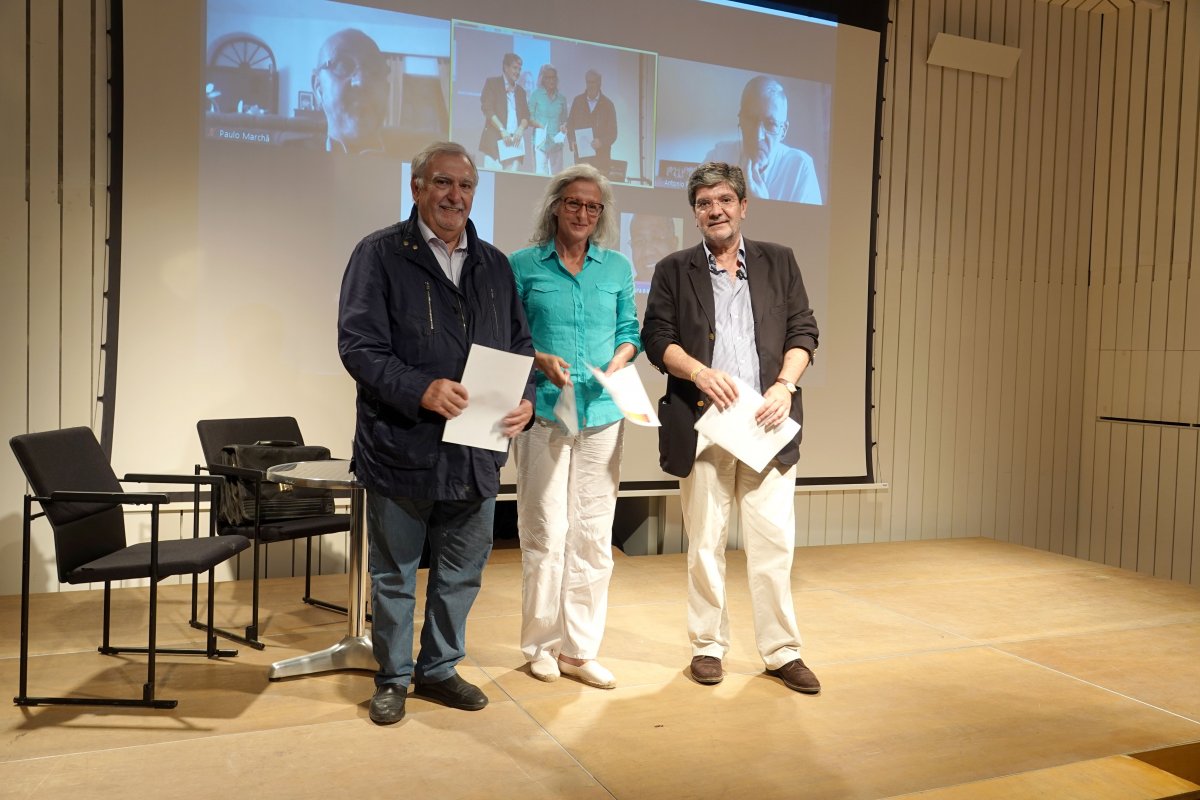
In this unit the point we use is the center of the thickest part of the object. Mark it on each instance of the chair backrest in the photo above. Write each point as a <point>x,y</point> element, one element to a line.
<point>217,433</point>
<point>72,460</point>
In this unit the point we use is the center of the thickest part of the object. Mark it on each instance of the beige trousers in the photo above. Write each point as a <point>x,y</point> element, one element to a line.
<point>768,519</point>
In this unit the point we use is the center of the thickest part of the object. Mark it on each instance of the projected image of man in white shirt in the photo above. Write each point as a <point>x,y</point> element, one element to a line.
<point>774,171</point>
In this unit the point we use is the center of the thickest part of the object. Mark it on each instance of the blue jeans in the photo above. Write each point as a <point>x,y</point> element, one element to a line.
<point>460,540</point>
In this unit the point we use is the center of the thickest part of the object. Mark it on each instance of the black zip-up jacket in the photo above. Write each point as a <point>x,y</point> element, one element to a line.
<point>401,325</point>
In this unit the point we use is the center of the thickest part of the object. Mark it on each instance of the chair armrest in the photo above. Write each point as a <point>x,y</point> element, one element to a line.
<point>237,472</point>
<point>113,498</point>
<point>144,477</point>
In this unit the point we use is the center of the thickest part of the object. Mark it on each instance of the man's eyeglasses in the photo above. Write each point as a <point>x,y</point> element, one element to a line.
<point>770,125</point>
<point>573,204</point>
<point>726,202</point>
<point>343,67</point>
<point>444,184</point>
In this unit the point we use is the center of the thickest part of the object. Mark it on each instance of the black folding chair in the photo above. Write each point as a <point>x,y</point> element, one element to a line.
<point>82,499</point>
<point>216,434</point>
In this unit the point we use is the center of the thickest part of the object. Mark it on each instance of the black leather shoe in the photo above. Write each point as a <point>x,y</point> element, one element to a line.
<point>387,706</point>
<point>453,692</point>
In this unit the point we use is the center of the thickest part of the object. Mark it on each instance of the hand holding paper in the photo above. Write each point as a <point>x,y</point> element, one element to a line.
<point>495,381</point>
<point>626,390</point>
<point>736,430</point>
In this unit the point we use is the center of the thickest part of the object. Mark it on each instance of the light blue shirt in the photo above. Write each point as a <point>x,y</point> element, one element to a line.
<point>734,351</point>
<point>550,114</point>
<point>582,319</point>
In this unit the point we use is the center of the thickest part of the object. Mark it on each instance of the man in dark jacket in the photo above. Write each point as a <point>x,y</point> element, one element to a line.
<point>594,112</point>
<point>415,297</point>
<point>732,308</point>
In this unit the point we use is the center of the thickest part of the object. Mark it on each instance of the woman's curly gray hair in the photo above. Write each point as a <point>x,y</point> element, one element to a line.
<point>545,223</point>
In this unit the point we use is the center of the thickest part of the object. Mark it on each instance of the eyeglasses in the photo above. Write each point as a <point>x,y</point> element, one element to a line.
<point>770,125</point>
<point>443,183</point>
<point>573,204</point>
<point>343,67</point>
<point>726,202</point>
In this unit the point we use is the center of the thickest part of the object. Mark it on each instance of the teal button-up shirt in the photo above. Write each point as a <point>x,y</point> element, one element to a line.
<point>582,319</point>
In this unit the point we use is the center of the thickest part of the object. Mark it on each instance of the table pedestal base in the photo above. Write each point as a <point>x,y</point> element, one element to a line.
<point>352,652</point>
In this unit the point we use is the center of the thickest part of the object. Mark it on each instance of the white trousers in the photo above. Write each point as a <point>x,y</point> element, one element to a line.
<point>768,518</point>
<point>566,496</point>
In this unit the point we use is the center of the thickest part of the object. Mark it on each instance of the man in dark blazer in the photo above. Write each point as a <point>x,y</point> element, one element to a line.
<point>593,111</point>
<point>505,116</point>
<point>728,308</point>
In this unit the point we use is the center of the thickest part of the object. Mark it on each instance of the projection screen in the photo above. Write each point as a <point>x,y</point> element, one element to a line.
<point>240,212</point>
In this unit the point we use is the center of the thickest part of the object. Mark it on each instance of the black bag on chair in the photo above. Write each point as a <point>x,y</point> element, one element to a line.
<point>275,501</point>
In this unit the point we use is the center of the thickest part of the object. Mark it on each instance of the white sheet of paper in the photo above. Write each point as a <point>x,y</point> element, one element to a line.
<point>565,409</point>
<point>495,381</point>
<point>510,151</point>
<point>583,141</point>
<point>736,431</point>
<point>627,391</point>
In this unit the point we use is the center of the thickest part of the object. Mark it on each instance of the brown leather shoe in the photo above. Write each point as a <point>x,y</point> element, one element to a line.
<point>707,670</point>
<point>797,677</point>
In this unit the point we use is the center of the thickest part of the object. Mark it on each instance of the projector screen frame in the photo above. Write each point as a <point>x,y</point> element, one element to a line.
<point>870,16</point>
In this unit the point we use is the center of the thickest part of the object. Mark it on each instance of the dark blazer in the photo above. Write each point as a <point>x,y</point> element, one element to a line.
<point>401,325</point>
<point>602,121</point>
<point>681,310</point>
<point>494,100</point>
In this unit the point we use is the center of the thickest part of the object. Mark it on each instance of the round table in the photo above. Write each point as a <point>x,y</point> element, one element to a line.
<point>354,651</point>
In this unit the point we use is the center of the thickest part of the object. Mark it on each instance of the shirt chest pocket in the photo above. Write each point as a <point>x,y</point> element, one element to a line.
<point>604,300</point>
<point>549,309</point>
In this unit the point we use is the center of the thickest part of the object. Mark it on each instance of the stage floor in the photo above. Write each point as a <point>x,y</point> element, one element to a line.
<point>963,668</point>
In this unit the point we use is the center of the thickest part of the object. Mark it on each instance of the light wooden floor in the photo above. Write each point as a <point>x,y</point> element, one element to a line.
<point>953,668</point>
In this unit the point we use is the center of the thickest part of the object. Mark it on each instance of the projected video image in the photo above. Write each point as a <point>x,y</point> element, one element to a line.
<point>323,76</point>
<point>776,129</point>
<point>535,104</point>
<point>645,240</point>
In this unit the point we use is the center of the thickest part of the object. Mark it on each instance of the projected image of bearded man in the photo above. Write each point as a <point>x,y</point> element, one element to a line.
<point>350,84</point>
<point>774,170</point>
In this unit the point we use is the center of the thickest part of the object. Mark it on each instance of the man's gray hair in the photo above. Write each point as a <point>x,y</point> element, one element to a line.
<point>712,173</point>
<point>422,160</point>
<point>545,222</point>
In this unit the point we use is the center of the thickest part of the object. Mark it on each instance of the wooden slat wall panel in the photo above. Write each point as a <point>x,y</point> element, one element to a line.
<point>14,284</point>
<point>1146,326</point>
<point>76,236</point>
<point>1084,240</point>
<point>43,266</point>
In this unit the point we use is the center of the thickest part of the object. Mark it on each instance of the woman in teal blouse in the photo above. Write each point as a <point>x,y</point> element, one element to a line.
<point>548,116</point>
<point>578,295</point>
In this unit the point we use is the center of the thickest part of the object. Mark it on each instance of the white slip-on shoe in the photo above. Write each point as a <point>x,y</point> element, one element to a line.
<point>545,668</point>
<point>593,673</point>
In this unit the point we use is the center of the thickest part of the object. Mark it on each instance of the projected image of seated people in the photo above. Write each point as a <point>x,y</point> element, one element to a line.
<point>589,103</point>
<point>309,75</point>
<point>774,171</point>
<point>775,128</point>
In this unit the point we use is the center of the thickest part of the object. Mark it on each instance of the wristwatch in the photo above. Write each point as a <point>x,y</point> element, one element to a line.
<point>791,387</point>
